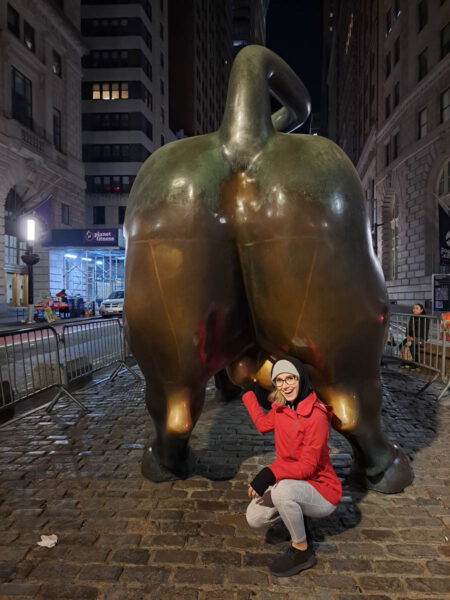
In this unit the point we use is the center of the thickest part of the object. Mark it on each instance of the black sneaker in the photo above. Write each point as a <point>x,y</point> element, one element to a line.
<point>277,533</point>
<point>293,561</point>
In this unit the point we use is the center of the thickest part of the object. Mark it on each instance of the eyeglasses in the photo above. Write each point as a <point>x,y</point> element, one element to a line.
<point>290,380</point>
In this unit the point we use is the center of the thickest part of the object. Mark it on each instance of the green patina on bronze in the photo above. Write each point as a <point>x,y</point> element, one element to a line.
<point>243,245</point>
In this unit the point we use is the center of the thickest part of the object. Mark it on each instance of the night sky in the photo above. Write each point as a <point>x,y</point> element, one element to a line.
<point>294,31</point>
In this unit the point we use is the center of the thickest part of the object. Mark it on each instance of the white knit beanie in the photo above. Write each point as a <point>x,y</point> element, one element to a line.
<point>283,366</point>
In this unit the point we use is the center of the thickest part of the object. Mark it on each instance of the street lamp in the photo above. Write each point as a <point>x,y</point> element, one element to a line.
<point>30,259</point>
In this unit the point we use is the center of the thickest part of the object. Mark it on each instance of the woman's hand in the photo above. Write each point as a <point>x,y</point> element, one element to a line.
<point>251,492</point>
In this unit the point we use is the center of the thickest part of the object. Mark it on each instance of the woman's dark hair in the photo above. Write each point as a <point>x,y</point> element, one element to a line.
<point>421,306</point>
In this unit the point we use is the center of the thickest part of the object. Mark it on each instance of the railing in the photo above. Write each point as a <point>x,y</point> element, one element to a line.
<point>92,345</point>
<point>30,363</point>
<point>420,341</point>
<point>38,359</point>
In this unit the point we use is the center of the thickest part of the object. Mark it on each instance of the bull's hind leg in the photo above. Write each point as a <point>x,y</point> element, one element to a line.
<point>187,318</point>
<point>357,415</point>
<point>300,307</point>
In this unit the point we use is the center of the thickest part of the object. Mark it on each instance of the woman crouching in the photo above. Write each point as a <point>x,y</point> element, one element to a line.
<point>301,480</point>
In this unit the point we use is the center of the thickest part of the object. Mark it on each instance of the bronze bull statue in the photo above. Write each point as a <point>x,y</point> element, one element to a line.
<point>246,244</point>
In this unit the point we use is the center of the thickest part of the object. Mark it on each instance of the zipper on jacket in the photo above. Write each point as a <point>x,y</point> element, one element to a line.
<point>293,436</point>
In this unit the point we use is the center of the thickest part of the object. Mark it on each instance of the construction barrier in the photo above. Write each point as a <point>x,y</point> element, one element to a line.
<point>35,360</point>
<point>30,363</point>
<point>89,346</point>
<point>420,341</point>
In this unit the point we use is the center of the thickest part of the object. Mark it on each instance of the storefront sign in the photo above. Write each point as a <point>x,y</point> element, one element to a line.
<point>444,236</point>
<point>79,238</point>
<point>100,237</point>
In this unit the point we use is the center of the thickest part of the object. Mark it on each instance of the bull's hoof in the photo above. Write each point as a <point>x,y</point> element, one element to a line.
<point>395,478</point>
<point>153,469</point>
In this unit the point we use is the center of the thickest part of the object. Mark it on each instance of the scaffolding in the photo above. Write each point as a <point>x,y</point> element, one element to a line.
<point>92,274</point>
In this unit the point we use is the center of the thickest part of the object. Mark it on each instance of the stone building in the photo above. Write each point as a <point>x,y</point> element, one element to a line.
<point>40,134</point>
<point>389,108</point>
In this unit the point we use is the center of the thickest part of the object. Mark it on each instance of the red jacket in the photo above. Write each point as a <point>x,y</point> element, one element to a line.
<point>300,441</point>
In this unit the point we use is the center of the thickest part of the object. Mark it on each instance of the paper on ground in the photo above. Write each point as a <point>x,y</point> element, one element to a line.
<point>48,541</point>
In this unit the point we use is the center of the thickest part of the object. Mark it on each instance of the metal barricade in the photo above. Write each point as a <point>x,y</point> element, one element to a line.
<point>89,346</point>
<point>30,363</point>
<point>418,340</point>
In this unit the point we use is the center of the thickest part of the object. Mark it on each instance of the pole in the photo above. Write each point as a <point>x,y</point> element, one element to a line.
<point>30,288</point>
<point>30,259</point>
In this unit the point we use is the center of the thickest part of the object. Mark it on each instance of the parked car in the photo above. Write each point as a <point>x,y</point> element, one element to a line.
<point>113,305</point>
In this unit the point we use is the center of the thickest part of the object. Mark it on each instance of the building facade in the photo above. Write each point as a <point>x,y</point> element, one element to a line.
<point>125,99</point>
<point>249,23</point>
<point>200,57</point>
<point>41,171</point>
<point>389,109</point>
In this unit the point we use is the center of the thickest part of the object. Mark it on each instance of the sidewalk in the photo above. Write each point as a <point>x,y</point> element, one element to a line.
<point>121,537</point>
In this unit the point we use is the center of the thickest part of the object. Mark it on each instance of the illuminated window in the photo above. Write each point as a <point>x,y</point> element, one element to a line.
<point>116,183</point>
<point>115,91</point>
<point>110,91</point>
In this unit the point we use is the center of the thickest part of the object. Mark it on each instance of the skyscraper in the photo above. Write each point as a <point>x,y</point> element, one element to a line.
<point>249,23</point>
<point>125,99</point>
<point>200,44</point>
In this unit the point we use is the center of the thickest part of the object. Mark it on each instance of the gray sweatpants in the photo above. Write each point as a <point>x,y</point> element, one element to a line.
<point>289,499</point>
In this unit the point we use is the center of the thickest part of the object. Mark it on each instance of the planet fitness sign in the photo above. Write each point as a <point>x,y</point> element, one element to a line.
<point>100,237</point>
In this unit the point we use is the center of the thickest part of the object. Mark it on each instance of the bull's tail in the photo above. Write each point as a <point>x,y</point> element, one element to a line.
<point>247,122</point>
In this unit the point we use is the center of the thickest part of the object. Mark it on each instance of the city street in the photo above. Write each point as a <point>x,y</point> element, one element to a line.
<point>121,537</point>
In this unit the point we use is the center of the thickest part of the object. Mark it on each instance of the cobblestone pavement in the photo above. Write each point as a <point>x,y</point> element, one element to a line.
<point>121,537</point>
